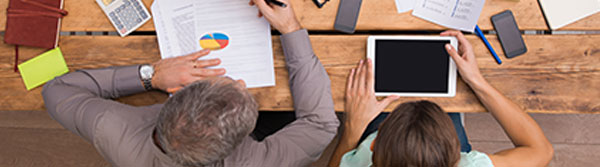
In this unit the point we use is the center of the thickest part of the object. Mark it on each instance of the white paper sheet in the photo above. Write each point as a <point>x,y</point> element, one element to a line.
<point>249,55</point>
<point>456,14</point>
<point>405,5</point>
<point>560,13</point>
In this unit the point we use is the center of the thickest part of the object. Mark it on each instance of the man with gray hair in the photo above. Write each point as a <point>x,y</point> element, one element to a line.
<point>208,119</point>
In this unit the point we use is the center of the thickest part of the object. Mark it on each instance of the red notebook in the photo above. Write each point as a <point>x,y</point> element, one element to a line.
<point>33,23</point>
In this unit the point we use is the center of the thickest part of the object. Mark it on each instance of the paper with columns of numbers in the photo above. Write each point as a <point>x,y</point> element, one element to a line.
<point>456,14</point>
<point>181,25</point>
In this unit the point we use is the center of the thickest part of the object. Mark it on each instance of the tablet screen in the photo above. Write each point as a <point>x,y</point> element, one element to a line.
<point>411,66</point>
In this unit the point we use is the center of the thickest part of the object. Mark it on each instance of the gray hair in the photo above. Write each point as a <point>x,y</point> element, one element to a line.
<point>203,123</point>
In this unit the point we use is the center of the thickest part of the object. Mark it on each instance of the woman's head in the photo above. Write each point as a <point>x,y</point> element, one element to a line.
<point>417,134</point>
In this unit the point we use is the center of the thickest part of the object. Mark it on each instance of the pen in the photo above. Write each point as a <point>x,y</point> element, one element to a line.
<point>480,34</point>
<point>278,3</point>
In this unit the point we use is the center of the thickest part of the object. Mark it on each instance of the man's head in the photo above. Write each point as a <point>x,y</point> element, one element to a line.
<point>204,122</point>
<point>417,134</point>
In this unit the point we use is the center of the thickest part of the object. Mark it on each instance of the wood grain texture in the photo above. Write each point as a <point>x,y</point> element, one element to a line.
<point>560,74</point>
<point>46,147</point>
<point>26,140</point>
<point>374,15</point>
<point>558,128</point>
<point>565,155</point>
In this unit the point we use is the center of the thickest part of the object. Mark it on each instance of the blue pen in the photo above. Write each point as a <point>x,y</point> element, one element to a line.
<point>480,34</point>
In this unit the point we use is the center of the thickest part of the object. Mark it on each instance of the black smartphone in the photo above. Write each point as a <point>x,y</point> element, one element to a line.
<point>509,34</point>
<point>347,15</point>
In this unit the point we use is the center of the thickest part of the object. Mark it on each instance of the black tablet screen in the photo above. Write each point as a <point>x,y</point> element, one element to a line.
<point>411,66</point>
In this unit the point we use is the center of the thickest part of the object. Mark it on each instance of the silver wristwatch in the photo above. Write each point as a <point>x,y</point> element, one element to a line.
<point>146,73</point>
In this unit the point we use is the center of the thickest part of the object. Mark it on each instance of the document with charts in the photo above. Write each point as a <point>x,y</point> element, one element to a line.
<point>229,28</point>
<point>456,14</point>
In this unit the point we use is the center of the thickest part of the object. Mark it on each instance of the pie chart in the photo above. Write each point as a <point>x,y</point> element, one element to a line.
<point>214,41</point>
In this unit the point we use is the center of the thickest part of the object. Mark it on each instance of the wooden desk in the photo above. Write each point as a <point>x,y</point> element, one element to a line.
<point>85,15</point>
<point>559,74</point>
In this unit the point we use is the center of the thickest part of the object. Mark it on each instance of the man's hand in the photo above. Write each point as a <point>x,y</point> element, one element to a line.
<point>282,18</point>
<point>361,105</point>
<point>175,73</point>
<point>464,58</point>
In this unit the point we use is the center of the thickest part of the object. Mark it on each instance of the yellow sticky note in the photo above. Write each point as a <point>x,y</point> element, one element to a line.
<point>43,68</point>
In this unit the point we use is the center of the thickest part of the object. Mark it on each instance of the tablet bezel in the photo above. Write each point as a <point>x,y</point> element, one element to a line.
<point>451,67</point>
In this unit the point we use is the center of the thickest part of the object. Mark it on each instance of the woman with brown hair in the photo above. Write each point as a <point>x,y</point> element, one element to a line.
<point>421,134</point>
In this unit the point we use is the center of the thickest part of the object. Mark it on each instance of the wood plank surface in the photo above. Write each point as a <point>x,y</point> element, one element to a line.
<point>375,15</point>
<point>32,138</point>
<point>560,73</point>
<point>46,147</point>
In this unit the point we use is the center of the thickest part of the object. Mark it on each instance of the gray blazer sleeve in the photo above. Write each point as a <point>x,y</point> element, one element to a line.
<point>302,141</point>
<point>77,100</point>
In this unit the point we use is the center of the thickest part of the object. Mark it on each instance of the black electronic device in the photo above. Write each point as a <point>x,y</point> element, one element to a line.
<point>347,15</point>
<point>509,34</point>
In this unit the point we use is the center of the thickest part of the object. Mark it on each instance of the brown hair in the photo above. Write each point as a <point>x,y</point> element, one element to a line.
<point>416,134</point>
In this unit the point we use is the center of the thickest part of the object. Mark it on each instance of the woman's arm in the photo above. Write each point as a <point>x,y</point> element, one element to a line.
<point>361,108</point>
<point>531,146</point>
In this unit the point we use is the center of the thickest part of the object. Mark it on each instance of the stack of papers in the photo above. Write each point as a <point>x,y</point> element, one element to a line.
<point>230,28</point>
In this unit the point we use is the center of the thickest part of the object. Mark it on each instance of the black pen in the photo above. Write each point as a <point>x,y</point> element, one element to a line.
<point>278,3</point>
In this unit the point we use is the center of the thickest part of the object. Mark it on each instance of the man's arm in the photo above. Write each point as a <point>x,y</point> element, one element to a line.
<point>78,99</point>
<point>302,141</point>
<point>531,146</point>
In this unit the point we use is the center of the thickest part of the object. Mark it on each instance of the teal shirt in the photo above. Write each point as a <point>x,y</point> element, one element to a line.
<point>361,156</point>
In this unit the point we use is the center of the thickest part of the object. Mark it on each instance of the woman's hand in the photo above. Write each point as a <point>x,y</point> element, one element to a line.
<point>464,58</point>
<point>175,73</point>
<point>361,105</point>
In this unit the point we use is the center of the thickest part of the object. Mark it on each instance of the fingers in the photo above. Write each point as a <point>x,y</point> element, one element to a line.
<point>370,76</point>
<point>206,63</point>
<point>173,90</point>
<point>262,6</point>
<point>459,35</point>
<point>385,102</point>
<point>350,81</point>
<point>450,33</point>
<point>452,52</point>
<point>360,80</point>
<point>197,55</point>
<point>205,72</point>
<point>363,76</point>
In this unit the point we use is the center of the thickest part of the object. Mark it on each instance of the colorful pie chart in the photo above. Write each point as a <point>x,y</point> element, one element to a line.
<point>214,41</point>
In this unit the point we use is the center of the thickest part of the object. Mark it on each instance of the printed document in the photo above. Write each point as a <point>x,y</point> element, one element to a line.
<point>405,5</point>
<point>230,28</point>
<point>456,14</point>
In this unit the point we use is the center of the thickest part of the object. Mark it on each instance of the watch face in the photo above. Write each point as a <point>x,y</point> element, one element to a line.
<point>146,72</point>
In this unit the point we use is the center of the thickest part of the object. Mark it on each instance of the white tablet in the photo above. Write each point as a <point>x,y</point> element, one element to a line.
<point>412,65</point>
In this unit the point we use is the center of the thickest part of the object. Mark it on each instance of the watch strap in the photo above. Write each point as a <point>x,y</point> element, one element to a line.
<point>147,84</point>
